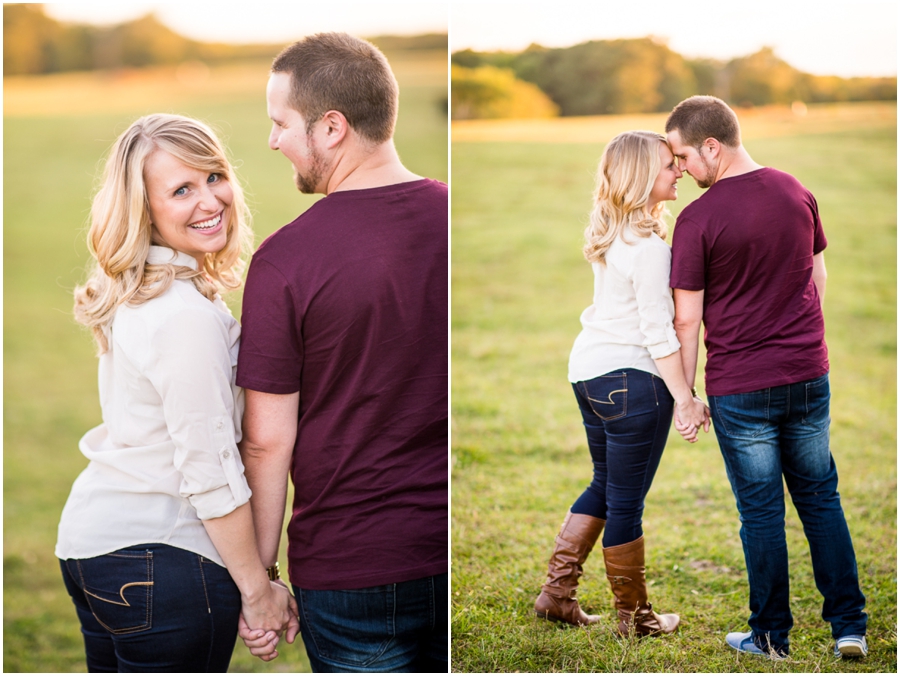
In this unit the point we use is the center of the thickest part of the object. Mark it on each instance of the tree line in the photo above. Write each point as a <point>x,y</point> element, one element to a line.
<point>637,76</point>
<point>34,43</point>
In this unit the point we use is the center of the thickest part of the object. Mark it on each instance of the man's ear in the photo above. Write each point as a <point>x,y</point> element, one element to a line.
<point>712,147</point>
<point>335,128</point>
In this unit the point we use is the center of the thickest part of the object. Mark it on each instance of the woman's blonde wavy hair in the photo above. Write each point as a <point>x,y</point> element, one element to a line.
<point>626,174</point>
<point>120,234</point>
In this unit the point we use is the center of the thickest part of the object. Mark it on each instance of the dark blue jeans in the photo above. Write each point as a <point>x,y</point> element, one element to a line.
<point>391,628</point>
<point>154,608</point>
<point>783,432</point>
<point>627,415</point>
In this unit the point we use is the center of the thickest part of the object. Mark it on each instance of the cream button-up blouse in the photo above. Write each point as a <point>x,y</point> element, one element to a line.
<point>166,454</point>
<point>630,322</point>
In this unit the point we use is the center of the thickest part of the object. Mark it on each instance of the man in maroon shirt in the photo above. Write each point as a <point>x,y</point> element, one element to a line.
<point>748,261</point>
<point>343,359</point>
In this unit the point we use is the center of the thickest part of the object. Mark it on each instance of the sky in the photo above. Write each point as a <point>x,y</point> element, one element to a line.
<point>840,37</point>
<point>263,21</point>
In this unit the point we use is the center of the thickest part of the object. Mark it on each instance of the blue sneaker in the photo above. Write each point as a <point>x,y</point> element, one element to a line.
<point>742,641</point>
<point>851,645</point>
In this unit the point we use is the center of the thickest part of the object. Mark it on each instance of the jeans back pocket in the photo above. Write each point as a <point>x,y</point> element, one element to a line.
<point>119,589</point>
<point>607,395</point>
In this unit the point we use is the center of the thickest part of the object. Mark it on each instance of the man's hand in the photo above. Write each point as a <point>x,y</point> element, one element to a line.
<point>261,643</point>
<point>690,429</point>
<point>283,615</point>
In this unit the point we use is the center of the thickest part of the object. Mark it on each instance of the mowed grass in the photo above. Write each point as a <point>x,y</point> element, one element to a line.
<point>56,131</point>
<point>519,457</point>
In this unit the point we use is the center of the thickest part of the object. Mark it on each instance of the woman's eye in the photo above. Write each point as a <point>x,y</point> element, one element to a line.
<point>181,191</point>
<point>213,178</point>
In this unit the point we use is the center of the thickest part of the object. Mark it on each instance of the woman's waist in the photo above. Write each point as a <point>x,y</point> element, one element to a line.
<point>99,518</point>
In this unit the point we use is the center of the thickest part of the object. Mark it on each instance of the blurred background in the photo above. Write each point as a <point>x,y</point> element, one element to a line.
<point>75,76</point>
<point>644,59</point>
<point>538,89</point>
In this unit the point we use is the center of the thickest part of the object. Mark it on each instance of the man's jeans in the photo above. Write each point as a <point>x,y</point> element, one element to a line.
<point>154,608</point>
<point>398,627</point>
<point>784,431</point>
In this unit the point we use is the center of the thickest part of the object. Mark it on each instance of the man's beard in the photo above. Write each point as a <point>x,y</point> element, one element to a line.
<point>709,177</point>
<point>308,182</point>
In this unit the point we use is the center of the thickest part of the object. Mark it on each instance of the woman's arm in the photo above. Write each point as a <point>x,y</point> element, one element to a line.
<point>191,368</point>
<point>267,606</point>
<point>690,412</point>
<point>656,309</point>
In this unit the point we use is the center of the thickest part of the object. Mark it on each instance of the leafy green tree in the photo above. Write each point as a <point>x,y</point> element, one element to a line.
<point>489,92</point>
<point>762,78</point>
<point>29,39</point>
<point>609,76</point>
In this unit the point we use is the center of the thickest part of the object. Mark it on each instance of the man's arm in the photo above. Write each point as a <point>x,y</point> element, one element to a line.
<point>688,315</point>
<point>267,447</point>
<point>819,275</point>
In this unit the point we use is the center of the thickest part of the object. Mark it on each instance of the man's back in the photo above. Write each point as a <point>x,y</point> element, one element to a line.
<point>352,297</point>
<point>748,243</point>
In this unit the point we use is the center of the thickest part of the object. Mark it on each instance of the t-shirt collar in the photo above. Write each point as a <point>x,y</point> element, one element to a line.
<point>163,254</point>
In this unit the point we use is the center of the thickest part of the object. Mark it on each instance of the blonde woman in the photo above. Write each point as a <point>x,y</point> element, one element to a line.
<point>156,541</point>
<point>626,370</point>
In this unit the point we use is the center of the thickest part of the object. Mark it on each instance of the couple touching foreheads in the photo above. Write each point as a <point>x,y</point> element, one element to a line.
<point>747,260</point>
<point>337,377</point>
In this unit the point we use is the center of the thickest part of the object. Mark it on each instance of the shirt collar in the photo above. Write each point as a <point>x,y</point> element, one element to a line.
<point>163,254</point>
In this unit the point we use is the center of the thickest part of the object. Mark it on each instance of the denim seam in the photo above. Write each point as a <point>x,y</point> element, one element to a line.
<point>806,403</point>
<point>644,487</point>
<point>212,624</point>
<point>431,604</point>
<point>393,624</point>
<point>203,582</point>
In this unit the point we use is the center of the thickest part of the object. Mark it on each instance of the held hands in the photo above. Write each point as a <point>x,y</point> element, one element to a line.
<point>273,615</point>
<point>690,416</point>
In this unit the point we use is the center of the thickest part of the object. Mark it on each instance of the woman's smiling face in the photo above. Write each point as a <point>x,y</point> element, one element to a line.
<point>665,188</point>
<point>189,208</point>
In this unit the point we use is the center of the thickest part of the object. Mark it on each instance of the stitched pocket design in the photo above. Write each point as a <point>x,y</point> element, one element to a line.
<point>119,589</point>
<point>607,395</point>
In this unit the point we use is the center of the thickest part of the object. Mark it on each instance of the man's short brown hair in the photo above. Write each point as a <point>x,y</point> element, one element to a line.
<point>336,71</point>
<point>701,117</point>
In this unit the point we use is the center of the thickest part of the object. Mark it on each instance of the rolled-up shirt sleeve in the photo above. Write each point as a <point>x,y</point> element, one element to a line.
<point>190,367</point>
<point>656,308</point>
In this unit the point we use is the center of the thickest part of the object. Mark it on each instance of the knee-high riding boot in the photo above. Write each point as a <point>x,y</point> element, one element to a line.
<point>625,572</point>
<point>576,539</point>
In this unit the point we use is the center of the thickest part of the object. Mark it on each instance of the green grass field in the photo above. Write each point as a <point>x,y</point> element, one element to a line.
<point>56,130</point>
<point>519,457</point>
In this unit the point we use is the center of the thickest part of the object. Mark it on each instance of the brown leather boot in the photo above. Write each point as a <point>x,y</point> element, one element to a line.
<point>575,541</point>
<point>625,572</point>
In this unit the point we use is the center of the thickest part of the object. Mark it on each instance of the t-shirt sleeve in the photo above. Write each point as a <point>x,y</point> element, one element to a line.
<point>819,241</point>
<point>271,353</point>
<point>689,257</point>
<point>189,365</point>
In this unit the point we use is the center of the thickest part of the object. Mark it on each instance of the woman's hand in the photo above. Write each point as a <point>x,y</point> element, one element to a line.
<point>272,614</point>
<point>690,416</point>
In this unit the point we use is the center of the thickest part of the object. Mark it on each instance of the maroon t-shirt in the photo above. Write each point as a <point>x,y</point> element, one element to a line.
<point>748,243</point>
<point>348,306</point>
